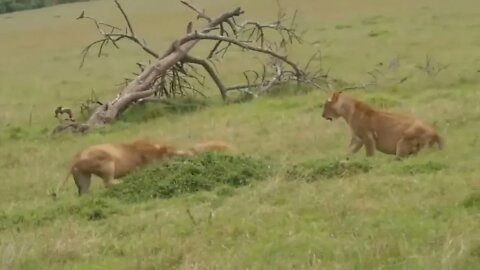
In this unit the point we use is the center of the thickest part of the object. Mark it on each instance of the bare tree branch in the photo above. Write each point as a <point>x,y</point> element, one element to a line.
<point>126,19</point>
<point>211,72</point>
<point>199,36</point>
<point>274,79</point>
<point>201,14</point>
<point>113,36</point>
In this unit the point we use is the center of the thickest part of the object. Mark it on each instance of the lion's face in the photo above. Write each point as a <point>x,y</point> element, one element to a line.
<point>330,108</point>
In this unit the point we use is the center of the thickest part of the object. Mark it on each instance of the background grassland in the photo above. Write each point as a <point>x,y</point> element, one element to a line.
<point>422,213</point>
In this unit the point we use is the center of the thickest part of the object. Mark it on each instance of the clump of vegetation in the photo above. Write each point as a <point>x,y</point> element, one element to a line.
<point>186,175</point>
<point>475,251</point>
<point>376,20</point>
<point>88,208</point>
<point>93,208</point>
<point>377,33</point>
<point>173,106</point>
<point>472,201</point>
<point>342,26</point>
<point>424,168</point>
<point>314,170</point>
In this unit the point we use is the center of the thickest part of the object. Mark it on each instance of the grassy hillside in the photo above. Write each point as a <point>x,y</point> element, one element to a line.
<point>9,6</point>
<point>421,213</point>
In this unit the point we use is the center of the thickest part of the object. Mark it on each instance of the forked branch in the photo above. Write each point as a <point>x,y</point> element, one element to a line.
<point>200,36</point>
<point>210,71</point>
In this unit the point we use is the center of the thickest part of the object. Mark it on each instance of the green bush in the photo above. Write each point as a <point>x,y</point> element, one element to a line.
<point>182,175</point>
<point>316,169</point>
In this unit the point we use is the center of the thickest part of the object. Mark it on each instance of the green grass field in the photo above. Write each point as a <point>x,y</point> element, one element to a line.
<point>420,213</point>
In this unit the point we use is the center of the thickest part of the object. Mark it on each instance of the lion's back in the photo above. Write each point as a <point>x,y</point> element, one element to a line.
<point>212,146</point>
<point>113,151</point>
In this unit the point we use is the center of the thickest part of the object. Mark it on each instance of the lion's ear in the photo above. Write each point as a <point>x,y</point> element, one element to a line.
<point>334,97</point>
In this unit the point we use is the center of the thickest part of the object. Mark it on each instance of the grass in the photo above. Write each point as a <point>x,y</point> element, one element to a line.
<point>312,211</point>
<point>323,169</point>
<point>179,176</point>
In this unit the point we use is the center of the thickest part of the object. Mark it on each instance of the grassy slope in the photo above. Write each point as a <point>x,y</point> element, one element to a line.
<point>383,219</point>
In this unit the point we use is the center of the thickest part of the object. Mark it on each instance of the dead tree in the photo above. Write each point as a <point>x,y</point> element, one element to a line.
<point>89,105</point>
<point>62,110</point>
<point>175,71</point>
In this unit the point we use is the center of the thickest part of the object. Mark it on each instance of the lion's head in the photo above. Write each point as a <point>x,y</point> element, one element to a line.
<point>331,108</point>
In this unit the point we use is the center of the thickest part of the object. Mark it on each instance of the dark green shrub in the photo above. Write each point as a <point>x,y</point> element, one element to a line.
<point>472,201</point>
<point>178,176</point>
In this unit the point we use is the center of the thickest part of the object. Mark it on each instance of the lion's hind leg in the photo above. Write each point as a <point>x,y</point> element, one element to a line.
<point>82,181</point>
<point>107,173</point>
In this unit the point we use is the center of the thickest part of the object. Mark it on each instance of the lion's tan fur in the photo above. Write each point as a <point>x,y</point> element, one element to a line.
<point>113,161</point>
<point>388,132</point>
<point>207,146</point>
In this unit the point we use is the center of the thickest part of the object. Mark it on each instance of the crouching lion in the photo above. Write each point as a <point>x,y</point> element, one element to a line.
<point>388,132</point>
<point>113,161</point>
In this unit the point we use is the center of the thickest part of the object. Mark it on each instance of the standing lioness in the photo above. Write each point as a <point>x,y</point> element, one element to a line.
<point>112,161</point>
<point>387,132</point>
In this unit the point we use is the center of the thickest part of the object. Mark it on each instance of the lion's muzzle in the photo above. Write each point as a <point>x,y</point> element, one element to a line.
<point>329,118</point>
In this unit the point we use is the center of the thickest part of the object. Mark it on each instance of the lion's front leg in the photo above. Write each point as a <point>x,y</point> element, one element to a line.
<point>82,181</point>
<point>355,145</point>
<point>370,145</point>
<point>108,174</point>
<point>407,147</point>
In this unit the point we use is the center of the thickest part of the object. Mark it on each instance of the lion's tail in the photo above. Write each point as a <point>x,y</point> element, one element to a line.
<point>61,184</point>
